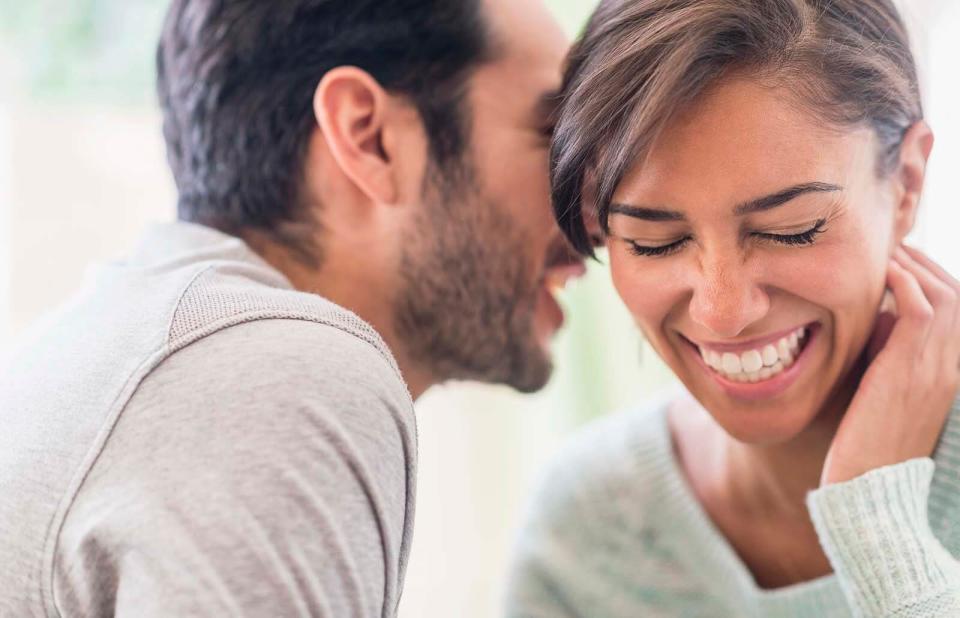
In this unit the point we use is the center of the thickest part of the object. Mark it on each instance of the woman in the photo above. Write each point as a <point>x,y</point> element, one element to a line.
<point>756,165</point>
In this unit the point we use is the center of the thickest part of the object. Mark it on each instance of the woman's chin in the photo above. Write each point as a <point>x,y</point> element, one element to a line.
<point>761,423</point>
<point>764,427</point>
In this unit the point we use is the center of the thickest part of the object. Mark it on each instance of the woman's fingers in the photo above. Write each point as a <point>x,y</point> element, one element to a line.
<point>921,258</point>
<point>904,397</point>
<point>952,338</point>
<point>943,342</point>
<point>915,311</point>
<point>939,292</point>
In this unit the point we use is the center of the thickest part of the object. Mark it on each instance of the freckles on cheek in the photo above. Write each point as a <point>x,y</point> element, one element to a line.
<point>644,287</point>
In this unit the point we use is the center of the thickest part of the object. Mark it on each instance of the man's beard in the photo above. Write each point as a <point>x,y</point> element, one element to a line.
<point>467,299</point>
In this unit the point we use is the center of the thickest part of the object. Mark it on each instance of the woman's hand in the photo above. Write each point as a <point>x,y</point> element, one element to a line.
<point>903,400</point>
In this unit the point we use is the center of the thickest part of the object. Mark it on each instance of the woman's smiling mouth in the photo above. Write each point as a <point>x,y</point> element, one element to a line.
<point>756,369</point>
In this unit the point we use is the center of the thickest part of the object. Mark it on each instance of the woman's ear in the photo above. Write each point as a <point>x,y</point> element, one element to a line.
<point>914,153</point>
<point>351,109</point>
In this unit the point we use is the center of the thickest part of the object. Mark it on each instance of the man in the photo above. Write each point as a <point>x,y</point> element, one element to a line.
<point>222,424</point>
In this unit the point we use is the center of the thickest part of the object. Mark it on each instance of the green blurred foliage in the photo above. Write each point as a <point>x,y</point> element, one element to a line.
<point>103,50</point>
<point>572,14</point>
<point>96,50</point>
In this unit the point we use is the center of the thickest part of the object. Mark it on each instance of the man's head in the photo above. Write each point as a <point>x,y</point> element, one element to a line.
<point>391,156</point>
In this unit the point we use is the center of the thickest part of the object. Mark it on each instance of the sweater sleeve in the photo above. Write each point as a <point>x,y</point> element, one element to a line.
<point>876,533</point>
<point>265,470</point>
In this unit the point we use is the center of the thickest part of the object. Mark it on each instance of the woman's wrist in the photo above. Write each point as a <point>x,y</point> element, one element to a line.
<point>876,533</point>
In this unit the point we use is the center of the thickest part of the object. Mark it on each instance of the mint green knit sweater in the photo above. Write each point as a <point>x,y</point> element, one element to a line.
<point>615,531</point>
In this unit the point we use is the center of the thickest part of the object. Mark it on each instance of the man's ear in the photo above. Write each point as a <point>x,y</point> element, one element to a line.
<point>914,153</point>
<point>351,108</point>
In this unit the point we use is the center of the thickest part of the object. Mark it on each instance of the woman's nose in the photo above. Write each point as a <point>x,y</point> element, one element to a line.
<point>727,298</point>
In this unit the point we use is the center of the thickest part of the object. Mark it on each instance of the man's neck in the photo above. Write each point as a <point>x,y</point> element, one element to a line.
<point>354,289</point>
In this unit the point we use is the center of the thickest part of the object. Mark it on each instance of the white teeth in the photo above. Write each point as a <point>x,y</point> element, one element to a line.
<point>783,348</point>
<point>770,356</point>
<point>757,365</point>
<point>731,363</point>
<point>788,359</point>
<point>751,361</point>
<point>555,284</point>
<point>713,359</point>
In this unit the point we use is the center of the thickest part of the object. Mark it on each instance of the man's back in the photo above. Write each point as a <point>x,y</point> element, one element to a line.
<point>191,436</point>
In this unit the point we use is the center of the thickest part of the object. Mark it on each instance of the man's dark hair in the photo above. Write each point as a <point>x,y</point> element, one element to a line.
<point>236,80</point>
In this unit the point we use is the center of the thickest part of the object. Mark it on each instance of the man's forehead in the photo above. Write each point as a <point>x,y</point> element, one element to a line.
<point>526,31</point>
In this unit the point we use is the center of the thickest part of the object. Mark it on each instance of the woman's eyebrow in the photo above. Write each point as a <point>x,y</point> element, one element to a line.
<point>764,203</point>
<point>782,197</point>
<point>646,213</point>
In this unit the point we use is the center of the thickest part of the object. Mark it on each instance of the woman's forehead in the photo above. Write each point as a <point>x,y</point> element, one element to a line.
<point>743,138</point>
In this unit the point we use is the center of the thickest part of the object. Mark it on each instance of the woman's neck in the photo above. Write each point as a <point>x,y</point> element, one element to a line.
<point>766,480</point>
<point>777,478</point>
<point>756,495</point>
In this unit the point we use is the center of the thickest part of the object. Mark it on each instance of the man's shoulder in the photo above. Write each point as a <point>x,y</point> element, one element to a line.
<point>226,294</point>
<point>263,443</point>
<point>279,363</point>
<point>274,375</point>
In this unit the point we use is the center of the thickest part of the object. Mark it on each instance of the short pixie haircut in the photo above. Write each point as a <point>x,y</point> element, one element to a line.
<point>640,61</point>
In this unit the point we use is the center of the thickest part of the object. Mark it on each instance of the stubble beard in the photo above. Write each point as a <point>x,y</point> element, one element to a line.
<point>467,299</point>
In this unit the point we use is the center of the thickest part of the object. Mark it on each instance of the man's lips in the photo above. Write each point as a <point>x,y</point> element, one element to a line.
<point>555,278</point>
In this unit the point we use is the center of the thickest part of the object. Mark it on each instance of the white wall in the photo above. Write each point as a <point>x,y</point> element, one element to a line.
<point>940,218</point>
<point>5,257</point>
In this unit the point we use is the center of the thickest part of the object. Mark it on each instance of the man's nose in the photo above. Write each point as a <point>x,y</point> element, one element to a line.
<point>726,297</point>
<point>591,222</point>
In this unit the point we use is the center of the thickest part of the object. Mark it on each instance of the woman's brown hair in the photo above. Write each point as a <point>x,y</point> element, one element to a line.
<point>640,61</point>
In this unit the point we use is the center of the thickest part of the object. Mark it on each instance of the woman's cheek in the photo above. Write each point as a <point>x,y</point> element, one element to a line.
<point>837,275</point>
<point>645,285</point>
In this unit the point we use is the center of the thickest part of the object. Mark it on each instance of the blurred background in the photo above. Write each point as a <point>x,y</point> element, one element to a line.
<point>82,170</point>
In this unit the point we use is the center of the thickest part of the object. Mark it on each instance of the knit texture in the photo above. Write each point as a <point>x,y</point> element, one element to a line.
<point>616,531</point>
<point>192,436</point>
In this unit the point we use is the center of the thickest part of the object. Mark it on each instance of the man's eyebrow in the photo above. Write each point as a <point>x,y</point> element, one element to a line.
<point>547,107</point>
<point>782,197</point>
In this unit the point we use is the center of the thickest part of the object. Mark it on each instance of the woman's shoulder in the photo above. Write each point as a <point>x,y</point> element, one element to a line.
<point>618,463</point>
<point>944,501</point>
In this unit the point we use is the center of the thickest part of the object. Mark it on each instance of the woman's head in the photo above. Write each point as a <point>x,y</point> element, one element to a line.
<point>754,163</point>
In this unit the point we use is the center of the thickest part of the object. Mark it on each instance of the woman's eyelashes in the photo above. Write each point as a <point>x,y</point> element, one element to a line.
<point>799,239</point>
<point>658,251</point>
<point>806,237</point>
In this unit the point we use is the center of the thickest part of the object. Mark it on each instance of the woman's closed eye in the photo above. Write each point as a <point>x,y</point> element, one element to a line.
<point>806,237</point>
<point>656,250</point>
<point>799,239</point>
